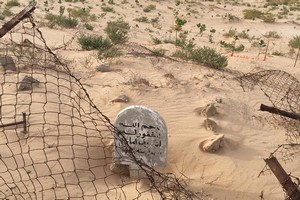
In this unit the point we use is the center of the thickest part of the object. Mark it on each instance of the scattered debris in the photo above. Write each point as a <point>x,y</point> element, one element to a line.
<point>121,99</point>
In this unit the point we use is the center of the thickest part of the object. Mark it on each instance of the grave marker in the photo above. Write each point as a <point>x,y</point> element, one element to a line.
<point>146,133</point>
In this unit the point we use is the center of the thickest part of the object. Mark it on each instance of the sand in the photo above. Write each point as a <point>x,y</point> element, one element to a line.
<point>250,134</point>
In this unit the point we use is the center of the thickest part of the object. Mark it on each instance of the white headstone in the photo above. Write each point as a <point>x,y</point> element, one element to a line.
<point>146,133</point>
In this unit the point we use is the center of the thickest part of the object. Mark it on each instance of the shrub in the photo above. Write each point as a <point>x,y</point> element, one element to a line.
<point>230,33</point>
<point>272,34</point>
<point>107,9</point>
<point>243,35</point>
<point>159,52</point>
<point>117,31</point>
<point>277,53</point>
<point>142,19</point>
<point>149,8</point>
<point>156,40</point>
<point>12,3</point>
<point>109,53</point>
<point>268,18</point>
<point>253,14</point>
<point>61,21</point>
<point>82,13</point>
<point>295,43</point>
<point>89,42</point>
<point>208,57</point>
<point>88,26</point>
<point>205,55</point>
<point>182,54</point>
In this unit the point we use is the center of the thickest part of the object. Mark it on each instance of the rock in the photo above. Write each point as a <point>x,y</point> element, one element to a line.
<point>207,111</point>
<point>8,63</point>
<point>210,125</point>
<point>28,83</point>
<point>219,100</point>
<point>103,68</point>
<point>213,143</point>
<point>121,99</point>
<point>119,169</point>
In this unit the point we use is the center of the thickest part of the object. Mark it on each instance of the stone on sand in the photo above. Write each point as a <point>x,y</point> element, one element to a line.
<point>103,68</point>
<point>213,143</point>
<point>8,63</point>
<point>121,99</point>
<point>28,83</point>
<point>207,111</point>
<point>211,125</point>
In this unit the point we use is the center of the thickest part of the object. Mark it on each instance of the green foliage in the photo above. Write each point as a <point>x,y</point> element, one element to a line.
<point>243,35</point>
<point>269,18</point>
<point>209,57</point>
<point>154,20</point>
<point>156,40</point>
<point>159,52</point>
<point>117,31</point>
<point>5,13</point>
<point>230,33</point>
<point>142,19</point>
<point>280,2</point>
<point>149,8</point>
<point>88,26</point>
<point>295,42</point>
<point>210,36</point>
<point>277,53</point>
<point>231,46</point>
<point>231,17</point>
<point>253,14</point>
<point>107,9</point>
<point>89,42</point>
<point>202,27</point>
<point>182,54</point>
<point>179,23</point>
<point>81,13</point>
<point>12,3</point>
<point>61,21</point>
<point>204,55</point>
<point>61,10</point>
<point>110,53</point>
<point>272,34</point>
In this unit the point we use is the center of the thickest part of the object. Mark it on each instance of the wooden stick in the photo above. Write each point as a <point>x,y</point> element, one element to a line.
<point>279,112</point>
<point>284,179</point>
<point>24,123</point>
<point>16,19</point>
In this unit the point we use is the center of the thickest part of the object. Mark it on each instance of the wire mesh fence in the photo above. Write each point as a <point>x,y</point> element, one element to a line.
<point>283,91</point>
<point>54,141</point>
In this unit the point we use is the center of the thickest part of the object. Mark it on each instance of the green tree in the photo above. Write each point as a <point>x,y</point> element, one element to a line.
<point>295,43</point>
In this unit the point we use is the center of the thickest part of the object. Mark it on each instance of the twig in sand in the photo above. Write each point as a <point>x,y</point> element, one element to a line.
<point>214,180</point>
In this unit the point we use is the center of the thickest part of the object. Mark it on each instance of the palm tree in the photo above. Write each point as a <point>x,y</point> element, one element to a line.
<point>295,43</point>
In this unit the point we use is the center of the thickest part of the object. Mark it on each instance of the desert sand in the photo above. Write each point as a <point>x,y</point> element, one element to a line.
<point>250,135</point>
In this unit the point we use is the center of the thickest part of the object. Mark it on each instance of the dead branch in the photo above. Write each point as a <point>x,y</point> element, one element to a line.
<point>16,19</point>
<point>279,112</point>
